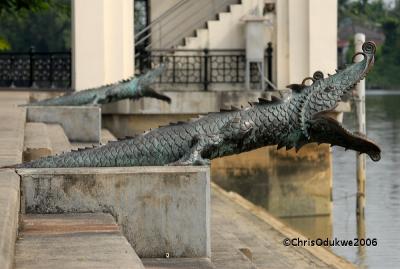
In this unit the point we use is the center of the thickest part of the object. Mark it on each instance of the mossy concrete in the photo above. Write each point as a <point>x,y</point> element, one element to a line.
<point>160,209</point>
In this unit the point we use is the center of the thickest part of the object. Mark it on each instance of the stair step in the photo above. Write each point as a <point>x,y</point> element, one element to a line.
<point>36,141</point>
<point>224,16</point>
<point>179,263</point>
<point>58,138</point>
<point>106,136</point>
<point>79,241</point>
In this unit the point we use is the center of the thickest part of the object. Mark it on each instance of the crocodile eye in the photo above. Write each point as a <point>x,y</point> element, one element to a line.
<point>328,89</point>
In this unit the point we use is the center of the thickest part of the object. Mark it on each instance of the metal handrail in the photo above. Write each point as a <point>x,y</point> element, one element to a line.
<point>203,66</point>
<point>166,13</point>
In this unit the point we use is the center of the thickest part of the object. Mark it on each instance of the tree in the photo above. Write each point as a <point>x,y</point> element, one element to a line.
<point>374,13</point>
<point>43,24</point>
<point>18,5</point>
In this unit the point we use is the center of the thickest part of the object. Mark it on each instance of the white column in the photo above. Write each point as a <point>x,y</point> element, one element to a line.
<point>305,39</point>
<point>102,42</point>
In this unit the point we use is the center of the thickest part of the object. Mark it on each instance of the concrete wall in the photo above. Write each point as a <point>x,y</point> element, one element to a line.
<point>306,32</point>
<point>185,102</point>
<point>160,209</point>
<point>102,46</point>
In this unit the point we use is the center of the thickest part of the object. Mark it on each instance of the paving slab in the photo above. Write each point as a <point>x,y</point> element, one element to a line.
<point>240,226</point>
<point>79,241</point>
<point>180,263</point>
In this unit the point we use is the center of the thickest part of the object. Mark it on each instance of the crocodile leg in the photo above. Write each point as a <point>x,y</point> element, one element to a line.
<point>324,129</point>
<point>199,145</point>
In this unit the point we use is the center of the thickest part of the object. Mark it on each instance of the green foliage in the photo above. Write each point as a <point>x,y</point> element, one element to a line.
<point>13,6</point>
<point>386,72</point>
<point>4,45</point>
<point>43,24</point>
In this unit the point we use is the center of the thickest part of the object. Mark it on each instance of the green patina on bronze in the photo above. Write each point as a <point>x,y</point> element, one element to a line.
<point>132,88</point>
<point>292,122</point>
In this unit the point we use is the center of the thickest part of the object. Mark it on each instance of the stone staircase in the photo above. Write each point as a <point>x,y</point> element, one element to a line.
<point>49,241</point>
<point>226,32</point>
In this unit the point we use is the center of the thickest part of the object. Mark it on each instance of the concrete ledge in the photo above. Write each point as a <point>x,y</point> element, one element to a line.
<point>80,123</point>
<point>184,102</point>
<point>161,209</point>
<point>79,241</point>
<point>9,208</point>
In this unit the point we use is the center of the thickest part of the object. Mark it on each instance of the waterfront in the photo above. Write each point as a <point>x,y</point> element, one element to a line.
<point>382,187</point>
<point>382,190</point>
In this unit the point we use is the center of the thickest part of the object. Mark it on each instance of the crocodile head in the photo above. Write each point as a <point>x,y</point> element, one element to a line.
<point>318,99</point>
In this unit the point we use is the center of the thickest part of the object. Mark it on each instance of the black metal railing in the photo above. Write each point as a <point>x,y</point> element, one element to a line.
<point>203,66</point>
<point>35,70</point>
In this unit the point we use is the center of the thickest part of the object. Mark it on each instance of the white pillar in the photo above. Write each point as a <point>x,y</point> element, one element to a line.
<point>102,42</point>
<point>305,39</point>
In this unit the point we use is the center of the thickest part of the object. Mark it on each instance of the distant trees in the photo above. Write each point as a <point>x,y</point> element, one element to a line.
<point>43,24</point>
<point>376,13</point>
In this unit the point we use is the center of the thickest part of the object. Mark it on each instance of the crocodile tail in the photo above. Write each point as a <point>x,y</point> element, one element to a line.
<point>75,158</point>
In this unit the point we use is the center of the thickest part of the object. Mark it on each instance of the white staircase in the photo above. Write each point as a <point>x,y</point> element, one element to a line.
<point>226,32</point>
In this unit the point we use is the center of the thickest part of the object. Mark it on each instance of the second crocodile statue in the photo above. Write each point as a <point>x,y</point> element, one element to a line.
<point>292,122</point>
<point>133,88</point>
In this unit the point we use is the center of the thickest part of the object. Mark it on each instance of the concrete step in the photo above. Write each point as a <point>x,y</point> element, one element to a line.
<point>79,241</point>
<point>58,139</point>
<point>180,263</point>
<point>9,208</point>
<point>36,141</point>
<point>106,136</point>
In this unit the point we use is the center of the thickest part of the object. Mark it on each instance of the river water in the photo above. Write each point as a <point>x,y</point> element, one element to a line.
<point>382,220</point>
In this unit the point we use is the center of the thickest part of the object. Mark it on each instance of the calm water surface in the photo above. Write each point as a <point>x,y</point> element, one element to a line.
<point>382,219</point>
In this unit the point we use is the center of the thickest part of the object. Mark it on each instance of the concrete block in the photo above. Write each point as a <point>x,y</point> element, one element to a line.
<point>160,209</point>
<point>80,123</point>
<point>9,208</point>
